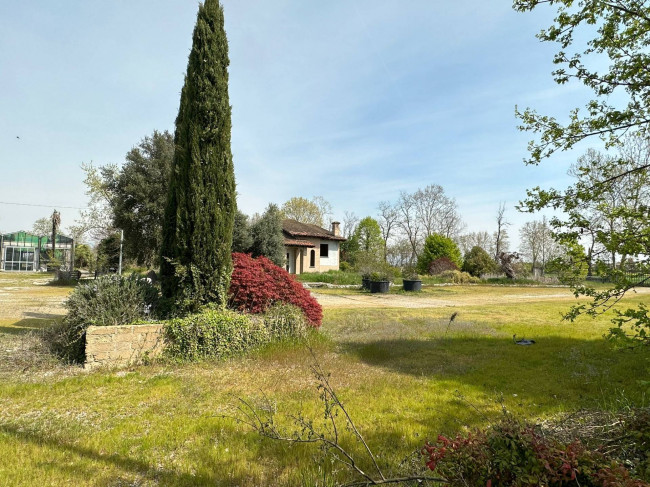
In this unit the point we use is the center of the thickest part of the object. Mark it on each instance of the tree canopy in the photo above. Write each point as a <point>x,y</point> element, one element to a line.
<point>617,32</point>
<point>314,211</point>
<point>266,236</point>
<point>437,246</point>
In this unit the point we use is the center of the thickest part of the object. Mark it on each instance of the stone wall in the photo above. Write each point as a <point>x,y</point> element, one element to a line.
<point>116,346</point>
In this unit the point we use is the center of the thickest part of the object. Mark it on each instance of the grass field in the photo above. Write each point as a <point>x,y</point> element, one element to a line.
<point>402,375</point>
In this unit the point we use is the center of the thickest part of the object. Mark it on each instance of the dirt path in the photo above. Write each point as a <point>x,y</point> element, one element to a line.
<point>483,295</point>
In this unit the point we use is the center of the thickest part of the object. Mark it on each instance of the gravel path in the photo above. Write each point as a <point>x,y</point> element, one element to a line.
<point>515,295</point>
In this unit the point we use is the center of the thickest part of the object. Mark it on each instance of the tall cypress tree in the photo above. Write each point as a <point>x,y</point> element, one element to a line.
<point>198,225</point>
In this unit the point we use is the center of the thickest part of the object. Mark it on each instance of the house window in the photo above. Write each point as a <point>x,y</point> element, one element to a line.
<point>312,258</point>
<point>324,250</point>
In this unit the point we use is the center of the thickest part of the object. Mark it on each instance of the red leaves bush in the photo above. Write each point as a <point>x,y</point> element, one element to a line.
<point>258,283</point>
<point>440,265</point>
<point>511,453</point>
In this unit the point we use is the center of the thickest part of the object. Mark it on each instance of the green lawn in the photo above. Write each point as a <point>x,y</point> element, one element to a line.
<point>401,375</point>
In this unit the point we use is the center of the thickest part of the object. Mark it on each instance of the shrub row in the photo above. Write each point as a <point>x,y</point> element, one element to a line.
<point>216,333</point>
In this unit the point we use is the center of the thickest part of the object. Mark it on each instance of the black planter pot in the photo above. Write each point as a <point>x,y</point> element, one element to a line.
<point>365,284</point>
<point>379,286</point>
<point>412,285</point>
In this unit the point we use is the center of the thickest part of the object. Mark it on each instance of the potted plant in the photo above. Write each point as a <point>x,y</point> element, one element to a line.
<point>412,282</point>
<point>379,283</point>
<point>365,281</point>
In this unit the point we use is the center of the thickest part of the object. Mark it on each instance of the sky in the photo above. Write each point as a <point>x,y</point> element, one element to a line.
<point>352,100</point>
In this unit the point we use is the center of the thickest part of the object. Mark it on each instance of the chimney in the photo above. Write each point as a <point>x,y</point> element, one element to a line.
<point>335,229</point>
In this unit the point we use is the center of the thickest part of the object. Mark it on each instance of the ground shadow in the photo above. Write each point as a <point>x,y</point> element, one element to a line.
<point>151,472</point>
<point>572,370</point>
<point>26,325</point>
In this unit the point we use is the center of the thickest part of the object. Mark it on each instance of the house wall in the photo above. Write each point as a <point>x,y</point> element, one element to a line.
<point>301,257</point>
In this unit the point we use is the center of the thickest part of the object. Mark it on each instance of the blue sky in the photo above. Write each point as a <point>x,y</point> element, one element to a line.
<point>351,100</point>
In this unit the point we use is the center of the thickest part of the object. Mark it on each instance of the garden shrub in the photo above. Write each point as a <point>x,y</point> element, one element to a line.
<point>285,321</point>
<point>440,265</point>
<point>106,301</point>
<point>256,284</point>
<point>213,333</point>
<point>477,262</point>
<point>511,453</point>
<point>436,246</point>
<point>458,277</point>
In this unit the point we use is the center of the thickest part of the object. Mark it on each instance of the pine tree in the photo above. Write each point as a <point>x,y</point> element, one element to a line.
<point>198,226</point>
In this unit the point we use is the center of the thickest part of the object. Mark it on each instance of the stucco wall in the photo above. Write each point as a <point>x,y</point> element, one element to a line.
<point>115,346</point>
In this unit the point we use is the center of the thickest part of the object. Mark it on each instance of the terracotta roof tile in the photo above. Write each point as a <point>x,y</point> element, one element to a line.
<point>294,228</point>
<point>298,243</point>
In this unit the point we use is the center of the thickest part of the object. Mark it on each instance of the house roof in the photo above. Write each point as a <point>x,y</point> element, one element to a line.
<point>298,243</point>
<point>294,229</point>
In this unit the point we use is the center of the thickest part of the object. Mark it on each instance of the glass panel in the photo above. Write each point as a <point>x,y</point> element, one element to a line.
<point>14,266</point>
<point>30,267</point>
<point>23,255</point>
<point>23,267</point>
<point>9,254</point>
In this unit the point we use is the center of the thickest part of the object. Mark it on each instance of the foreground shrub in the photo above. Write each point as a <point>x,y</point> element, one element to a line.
<point>213,334</point>
<point>458,277</point>
<point>285,321</point>
<point>256,284</point>
<point>511,453</point>
<point>109,300</point>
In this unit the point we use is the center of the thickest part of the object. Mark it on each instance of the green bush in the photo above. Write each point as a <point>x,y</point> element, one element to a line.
<point>213,334</point>
<point>435,247</point>
<point>109,300</point>
<point>477,261</point>
<point>285,321</point>
<point>458,277</point>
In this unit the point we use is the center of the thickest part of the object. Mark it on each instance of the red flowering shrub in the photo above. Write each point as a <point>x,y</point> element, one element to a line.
<point>258,283</point>
<point>511,453</point>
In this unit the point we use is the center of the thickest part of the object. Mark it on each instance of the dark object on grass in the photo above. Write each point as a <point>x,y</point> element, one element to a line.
<point>379,286</point>
<point>412,285</point>
<point>523,341</point>
<point>451,319</point>
<point>365,283</point>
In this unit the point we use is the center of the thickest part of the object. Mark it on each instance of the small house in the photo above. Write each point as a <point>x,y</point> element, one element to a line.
<point>310,248</point>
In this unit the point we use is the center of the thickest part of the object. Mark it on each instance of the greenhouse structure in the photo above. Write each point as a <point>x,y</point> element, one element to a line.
<point>23,251</point>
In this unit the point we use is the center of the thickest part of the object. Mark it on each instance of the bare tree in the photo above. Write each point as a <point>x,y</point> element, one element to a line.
<point>437,213</point>
<point>476,239</point>
<point>325,208</point>
<point>388,220</point>
<point>408,222</point>
<point>538,244</point>
<point>501,234</point>
<point>350,222</point>
<point>97,219</point>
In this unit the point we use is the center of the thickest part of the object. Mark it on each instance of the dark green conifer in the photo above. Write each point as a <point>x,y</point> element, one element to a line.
<point>198,226</point>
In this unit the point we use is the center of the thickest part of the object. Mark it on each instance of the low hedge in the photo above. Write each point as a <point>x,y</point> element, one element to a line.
<point>219,334</point>
<point>213,334</point>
